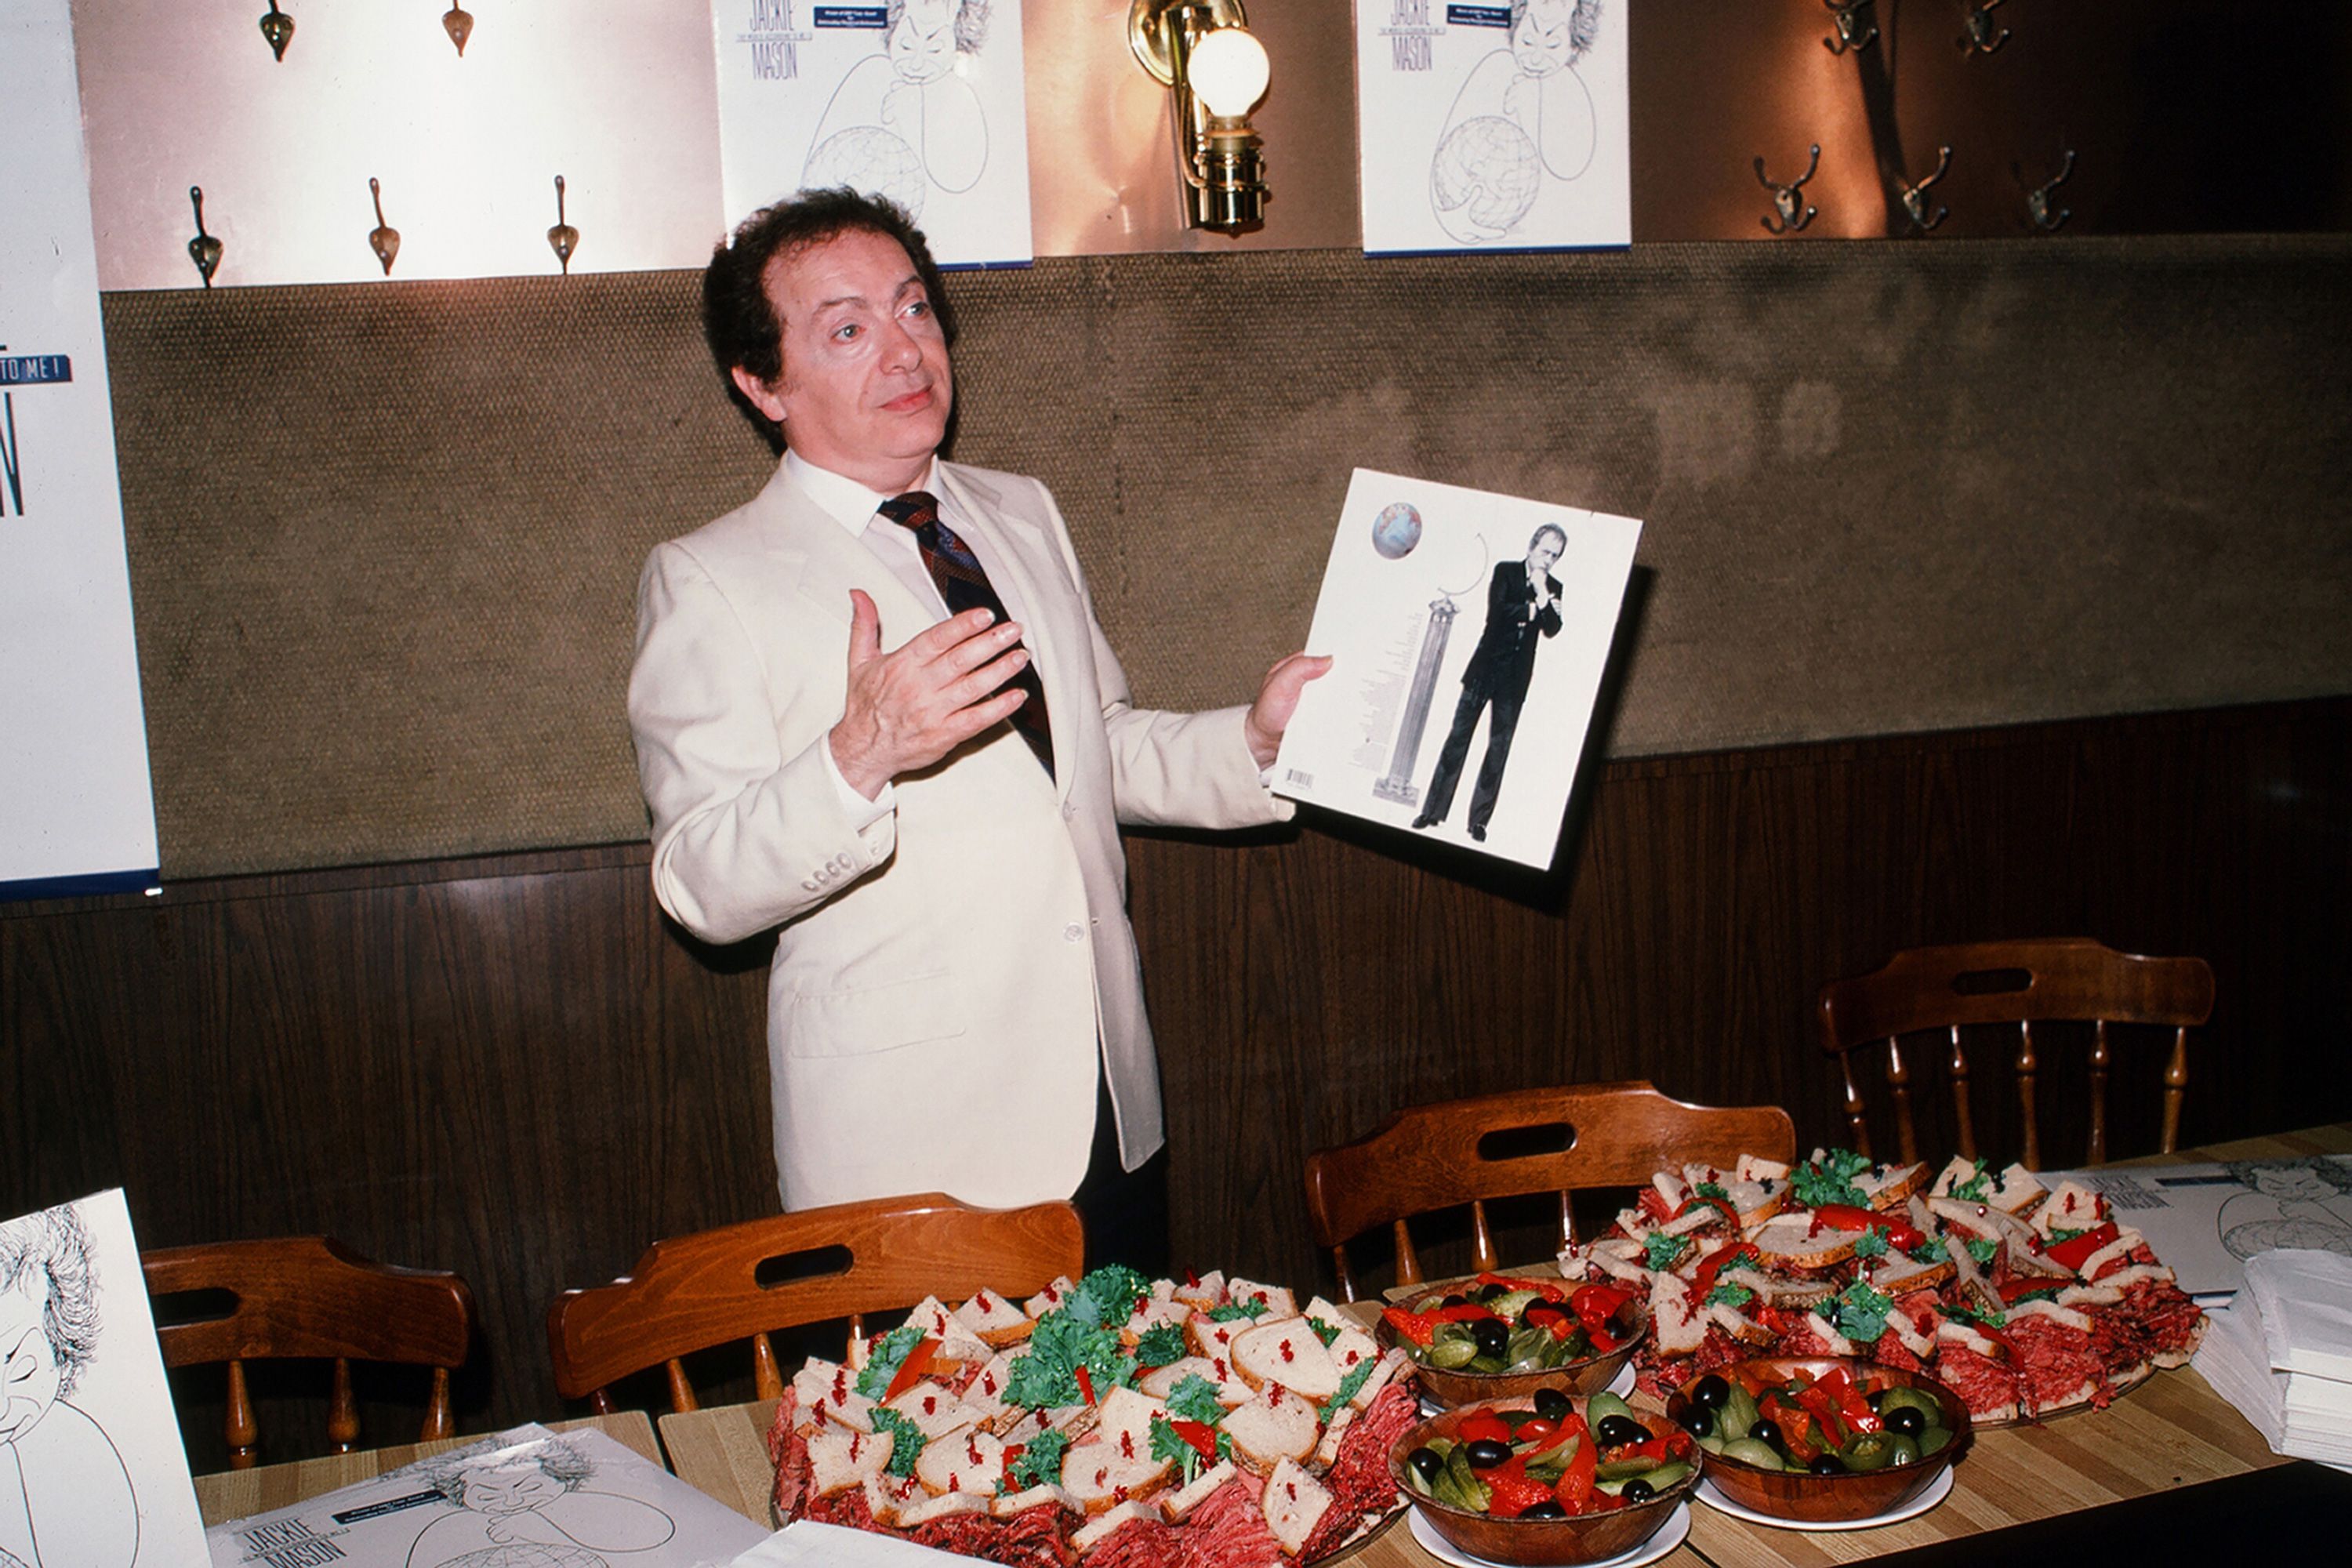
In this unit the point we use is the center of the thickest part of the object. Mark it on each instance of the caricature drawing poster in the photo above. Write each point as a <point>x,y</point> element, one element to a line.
<point>1468,633</point>
<point>918,100</point>
<point>1500,125</point>
<point>92,1474</point>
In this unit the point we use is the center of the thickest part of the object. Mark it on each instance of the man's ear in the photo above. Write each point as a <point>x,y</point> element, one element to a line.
<point>759,393</point>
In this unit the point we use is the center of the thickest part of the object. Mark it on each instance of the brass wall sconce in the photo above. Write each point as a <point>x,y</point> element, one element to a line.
<point>1203,51</point>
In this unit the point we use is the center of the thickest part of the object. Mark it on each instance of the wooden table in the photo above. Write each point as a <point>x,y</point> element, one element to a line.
<point>2173,1431</point>
<point>234,1494</point>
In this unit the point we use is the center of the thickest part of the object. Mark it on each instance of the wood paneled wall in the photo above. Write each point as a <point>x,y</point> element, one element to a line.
<point>514,1068</point>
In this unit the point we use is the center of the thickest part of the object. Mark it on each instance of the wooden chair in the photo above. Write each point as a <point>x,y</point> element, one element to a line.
<point>1436,1156</point>
<point>2021,983</point>
<point>691,1292</point>
<point>303,1297</point>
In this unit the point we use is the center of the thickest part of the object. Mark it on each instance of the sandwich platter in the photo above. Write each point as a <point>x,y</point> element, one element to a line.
<point>2028,1302</point>
<point>1115,1421</point>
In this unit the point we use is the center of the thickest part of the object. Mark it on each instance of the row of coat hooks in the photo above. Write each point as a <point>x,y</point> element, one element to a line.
<point>1790,212</point>
<point>1857,26</point>
<point>277,28</point>
<point>206,249</point>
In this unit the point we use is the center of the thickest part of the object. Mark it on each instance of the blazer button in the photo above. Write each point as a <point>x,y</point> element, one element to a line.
<point>1070,810</point>
<point>1074,931</point>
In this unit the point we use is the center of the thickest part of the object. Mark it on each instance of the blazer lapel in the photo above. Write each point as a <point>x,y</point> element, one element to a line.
<point>824,561</point>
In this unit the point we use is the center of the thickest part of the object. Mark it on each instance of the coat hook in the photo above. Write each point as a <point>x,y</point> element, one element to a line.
<point>383,240</point>
<point>458,23</point>
<point>1788,207</point>
<point>1914,197</point>
<point>1854,30</point>
<point>1980,38</point>
<point>279,28</point>
<point>563,239</point>
<point>2037,201</point>
<point>204,250</point>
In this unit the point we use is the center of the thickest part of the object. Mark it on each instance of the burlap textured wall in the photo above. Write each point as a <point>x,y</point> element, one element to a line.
<point>384,538</point>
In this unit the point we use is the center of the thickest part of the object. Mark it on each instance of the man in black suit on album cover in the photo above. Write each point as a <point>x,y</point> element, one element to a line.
<point>1522,601</point>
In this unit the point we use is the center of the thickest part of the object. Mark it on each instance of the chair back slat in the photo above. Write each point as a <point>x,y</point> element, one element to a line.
<point>2022,982</point>
<point>1430,1157</point>
<point>310,1298</point>
<point>689,1293</point>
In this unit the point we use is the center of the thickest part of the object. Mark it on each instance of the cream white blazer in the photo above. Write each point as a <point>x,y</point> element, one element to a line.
<point>941,978</point>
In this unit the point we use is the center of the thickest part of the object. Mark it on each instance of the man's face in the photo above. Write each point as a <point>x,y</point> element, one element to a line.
<point>28,1365</point>
<point>515,1489</point>
<point>865,390</point>
<point>1542,553</point>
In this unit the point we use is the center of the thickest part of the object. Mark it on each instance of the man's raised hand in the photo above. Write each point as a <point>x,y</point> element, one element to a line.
<point>908,708</point>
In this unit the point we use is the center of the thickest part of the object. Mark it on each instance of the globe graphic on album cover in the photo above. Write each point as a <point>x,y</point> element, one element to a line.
<point>530,1554</point>
<point>1396,530</point>
<point>1487,166</point>
<point>868,158</point>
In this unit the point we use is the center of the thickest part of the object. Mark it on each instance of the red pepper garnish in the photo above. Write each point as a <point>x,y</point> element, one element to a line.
<point>1594,1305</point>
<point>1722,1203</point>
<point>1716,1262</point>
<point>1085,1385</point>
<point>1510,1490</point>
<point>1484,1424</point>
<point>911,1370</point>
<point>1574,1488</point>
<point>1900,1234</point>
<point>1417,1327</point>
<point>2026,1285</point>
<point>2075,1251</point>
<point>1198,1434</point>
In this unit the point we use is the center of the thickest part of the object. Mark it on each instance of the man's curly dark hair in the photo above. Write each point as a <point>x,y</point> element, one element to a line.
<point>56,1243</point>
<point>738,320</point>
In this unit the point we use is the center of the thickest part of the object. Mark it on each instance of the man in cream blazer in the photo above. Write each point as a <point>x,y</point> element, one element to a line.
<point>824,751</point>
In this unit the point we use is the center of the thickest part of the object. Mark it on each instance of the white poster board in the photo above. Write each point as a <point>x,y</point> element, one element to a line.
<point>92,1474</point>
<point>918,100</point>
<point>2205,1221</point>
<point>525,1497</point>
<point>75,813</point>
<point>1501,125</point>
<point>1452,618</point>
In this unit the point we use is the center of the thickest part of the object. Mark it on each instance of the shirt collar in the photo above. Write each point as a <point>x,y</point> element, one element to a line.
<point>843,499</point>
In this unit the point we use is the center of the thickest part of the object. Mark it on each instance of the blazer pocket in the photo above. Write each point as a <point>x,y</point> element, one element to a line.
<point>873,1018</point>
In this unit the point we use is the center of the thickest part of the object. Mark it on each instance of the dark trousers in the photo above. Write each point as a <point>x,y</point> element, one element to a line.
<point>1125,1212</point>
<point>1503,723</point>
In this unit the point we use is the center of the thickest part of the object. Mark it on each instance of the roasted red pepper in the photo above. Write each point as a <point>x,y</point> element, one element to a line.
<point>1716,1262</point>
<point>1724,1204</point>
<point>1085,1385</point>
<point>1594,1305</point>
<point>1510,1490</point>
<point>2013,1291</point>
<point>1484,1424</point>
<point>1414,1326</point>
<point>1202,1438</point>
<point>2075,1251</point>
<point>1574,1488</point>
<point>910,1371</point>
<point>1900,1234</point>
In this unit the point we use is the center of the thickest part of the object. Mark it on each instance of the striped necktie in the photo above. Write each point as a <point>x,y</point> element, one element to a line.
<point>964,585</point>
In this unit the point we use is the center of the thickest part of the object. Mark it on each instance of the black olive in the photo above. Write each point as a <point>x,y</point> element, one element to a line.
<point>1551,1404</point>
<point>1429,1462</point>
<point>1615,1431</point>
<point>1484,1453</point>
<point>1456,1300</point>
<point>1907,1419</point>
<point>1697,1420</point>
<point>1710,1391</point>
<point>1547,1509</point>
<point>1822,1465</point>
<point>1639,1489</point>
<point>1767,1432</point>
<point>1493,1335</point>
<point>1488,1292</point>
<point>1877,1399</point>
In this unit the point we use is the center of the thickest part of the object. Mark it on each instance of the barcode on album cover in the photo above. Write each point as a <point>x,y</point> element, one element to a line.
<point>1303,780</point>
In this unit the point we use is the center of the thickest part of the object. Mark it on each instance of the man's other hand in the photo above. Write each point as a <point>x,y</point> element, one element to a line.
<point>1277,699</point>
<point>908,708</point>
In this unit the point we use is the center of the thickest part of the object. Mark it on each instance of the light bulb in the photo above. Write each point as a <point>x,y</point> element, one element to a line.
<point>1228,71</point>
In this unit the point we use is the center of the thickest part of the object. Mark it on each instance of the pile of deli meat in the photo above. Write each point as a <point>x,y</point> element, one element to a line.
<point>1117,1421</point>
<point>2025,1300</point>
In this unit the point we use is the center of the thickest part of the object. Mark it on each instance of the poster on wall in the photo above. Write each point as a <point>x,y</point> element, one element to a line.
<point>76,812</point>
<point>1469,633</point>
<point>91,1469</point>
<point>918,100</point>
<point>1495,126</point>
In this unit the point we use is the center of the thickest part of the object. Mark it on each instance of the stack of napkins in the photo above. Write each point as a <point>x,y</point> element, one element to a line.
<point>806,1543</point>
<point>2282,1354</point>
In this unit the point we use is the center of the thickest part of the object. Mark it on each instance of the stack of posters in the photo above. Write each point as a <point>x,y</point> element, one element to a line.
<point>2207,1220</point>
<point>1469,633</point>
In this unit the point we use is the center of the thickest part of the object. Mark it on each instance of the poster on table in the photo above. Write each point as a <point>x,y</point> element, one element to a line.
<point>525,1497</point>
<point>1497,126</point>
<point>76,812</point>
<point>2206,1220</point>
<point>1469,633</point>
<point>918,100</point>
<point>92,1474</point>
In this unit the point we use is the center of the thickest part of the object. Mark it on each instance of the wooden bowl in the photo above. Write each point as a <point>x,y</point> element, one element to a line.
<point>1833,1499</point>
<point>1541,1542</point>
<point>1631,1323</point>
